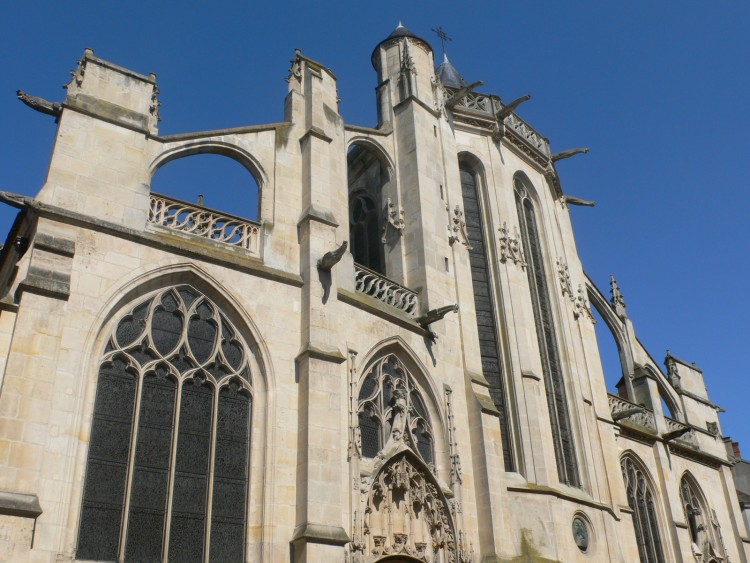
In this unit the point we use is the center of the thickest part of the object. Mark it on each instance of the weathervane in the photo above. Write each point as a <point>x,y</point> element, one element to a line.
<point>441,33</point>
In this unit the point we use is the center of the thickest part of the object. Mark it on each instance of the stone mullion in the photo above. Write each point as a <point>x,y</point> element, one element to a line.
<point>172,468</point>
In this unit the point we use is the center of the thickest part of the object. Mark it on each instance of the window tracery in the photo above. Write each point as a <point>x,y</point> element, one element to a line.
<point>391,410</point>
<point>167,470</point>
<point>641,501</point>
<point>562,431</point>
<point>703,524</point>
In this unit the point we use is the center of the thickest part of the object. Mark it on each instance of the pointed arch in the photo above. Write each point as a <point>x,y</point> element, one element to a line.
<point>486,298</point>
<point>176,367</point>
<point>554,381</point>
<point>646,507</point>
<point>407,514</point>
<point>702,522</point>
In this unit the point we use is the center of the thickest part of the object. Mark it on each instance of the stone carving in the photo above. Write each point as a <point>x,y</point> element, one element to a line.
<point>155,104</point>
<point>572,200</point>
<point>625,410</point>
<point>40,104</point>
<point>581,305</point>
<point>581,533</point>
<point>510,246</point>
<point>456,473</point>
<point>507,109</point>
<point>618,301</point>
<point>80,70</point>
<point>295,70</point>
<point>528,134</point>
<point>406,513</point>
<point>679,431</point>
<point>393,217</point>
<point>672,371</point>
<point>564,277</point>
<point>381,288</point>
<point>713,428</point>
<point>203,222</point>
<point>457,229</point>
<point>355,435</point>
<point>332,257</point>
<point>568,153</point>
<point>435,315</point>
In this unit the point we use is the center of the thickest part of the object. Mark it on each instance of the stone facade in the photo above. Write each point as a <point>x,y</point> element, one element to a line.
<point>432,392</point>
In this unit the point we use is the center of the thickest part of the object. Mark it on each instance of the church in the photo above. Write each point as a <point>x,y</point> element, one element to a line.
<point>394,361</point>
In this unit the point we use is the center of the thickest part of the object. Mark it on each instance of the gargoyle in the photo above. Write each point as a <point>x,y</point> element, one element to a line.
<point>330,259</point>
<point>40,104</point>
<point>669,436</point>
<point>628,412</point>
<point>568,153</point>
<point>572,200</point>
<point>507,109</point>
<point>436,315</point>
<point>455,98</point>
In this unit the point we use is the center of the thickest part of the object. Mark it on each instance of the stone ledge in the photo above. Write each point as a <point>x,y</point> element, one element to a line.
<point>486,404</point>
<point>45,282</point>
<point>320,533</point>
<point>372,305</point>
<point>19,504</point>
<point>309,351</point>
<point>533,488</point>
<point>320,215</point>
<point>55,245</point>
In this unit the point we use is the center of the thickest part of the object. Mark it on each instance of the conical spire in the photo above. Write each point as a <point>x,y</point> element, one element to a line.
<point>399,32</point>
<point>448,74</point>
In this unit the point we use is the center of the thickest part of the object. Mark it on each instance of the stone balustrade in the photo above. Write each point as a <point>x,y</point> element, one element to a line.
<point>688,437</point>
<point>381,288</point>
<point>619,407</point>
<point>203,222</point>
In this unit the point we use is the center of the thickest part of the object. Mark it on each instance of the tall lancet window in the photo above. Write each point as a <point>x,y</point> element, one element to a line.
<point>167,470</point>
<point>641,502</point>
<point>366,177</point>
<point>484,305</point>
<point>562,434</point>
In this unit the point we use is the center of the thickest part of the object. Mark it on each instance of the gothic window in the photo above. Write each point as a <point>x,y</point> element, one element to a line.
<point>641,502</point>
<point>562,433</point>
<point>366,178</point>
<point>391,409</point>
<point>489,347</point>
<point>167,470</point>
<point>702,522</point>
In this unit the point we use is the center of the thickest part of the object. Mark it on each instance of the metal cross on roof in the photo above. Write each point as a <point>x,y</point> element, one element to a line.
<point>441,33</point>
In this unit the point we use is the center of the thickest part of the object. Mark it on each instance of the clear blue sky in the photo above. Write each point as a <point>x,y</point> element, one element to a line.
<point>657,90</point>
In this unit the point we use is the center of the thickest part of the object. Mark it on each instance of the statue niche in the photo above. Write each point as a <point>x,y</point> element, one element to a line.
<point>405,514</point>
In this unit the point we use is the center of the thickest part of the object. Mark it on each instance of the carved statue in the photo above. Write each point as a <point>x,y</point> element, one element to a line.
<point>331,258</point>
<point>507,109</point>
<point>436,315</point>
<point>568,153</point>
<point>572,200</point>
<point>40,104</point>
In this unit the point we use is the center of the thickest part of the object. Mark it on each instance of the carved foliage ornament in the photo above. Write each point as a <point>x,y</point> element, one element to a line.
<point>510,246</point>
<point>457,228</point>
<point>406,514</point>
<point>581,307</point>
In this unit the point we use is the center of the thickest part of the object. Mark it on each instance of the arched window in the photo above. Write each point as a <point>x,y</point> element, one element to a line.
<point>484,305</point>
<point>702,522</point>
<point>366,178</point>
<point>562,433</point>
<point>641,502</point>
<point>167,470</point>
<point>391,409</point>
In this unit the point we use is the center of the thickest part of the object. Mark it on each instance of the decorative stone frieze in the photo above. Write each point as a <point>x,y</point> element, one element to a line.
<point>564,276</point>
<point>625,410</point>
<point>581,307</point>
<point>456,473</point>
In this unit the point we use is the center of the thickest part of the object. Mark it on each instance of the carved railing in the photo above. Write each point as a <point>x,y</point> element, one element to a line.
<point>486,107</point>
<point>528,134</point>
<point>203,222</point>
<point>381,288</point>
<point>689,437</point>
<point>619,407</point>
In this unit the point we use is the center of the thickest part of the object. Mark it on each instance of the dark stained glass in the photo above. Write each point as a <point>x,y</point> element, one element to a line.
<point>131,327</point>
<point>369,430</point>
<point>489,347</point>
<point>368,387</point>
<point>148,497</point>
<point>641,501</point>
<point>106,471</point>
<point>191,473</point>
<point>557,404</point>
<point>116,443</point>
<point>202,333</point>
<point>230,475</point>
<point>424,443</point>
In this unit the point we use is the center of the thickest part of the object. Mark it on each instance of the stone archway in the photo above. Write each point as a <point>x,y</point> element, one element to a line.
<point>406,517</point>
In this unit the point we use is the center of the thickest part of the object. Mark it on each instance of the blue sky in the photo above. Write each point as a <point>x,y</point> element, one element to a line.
<point>657,90</point>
